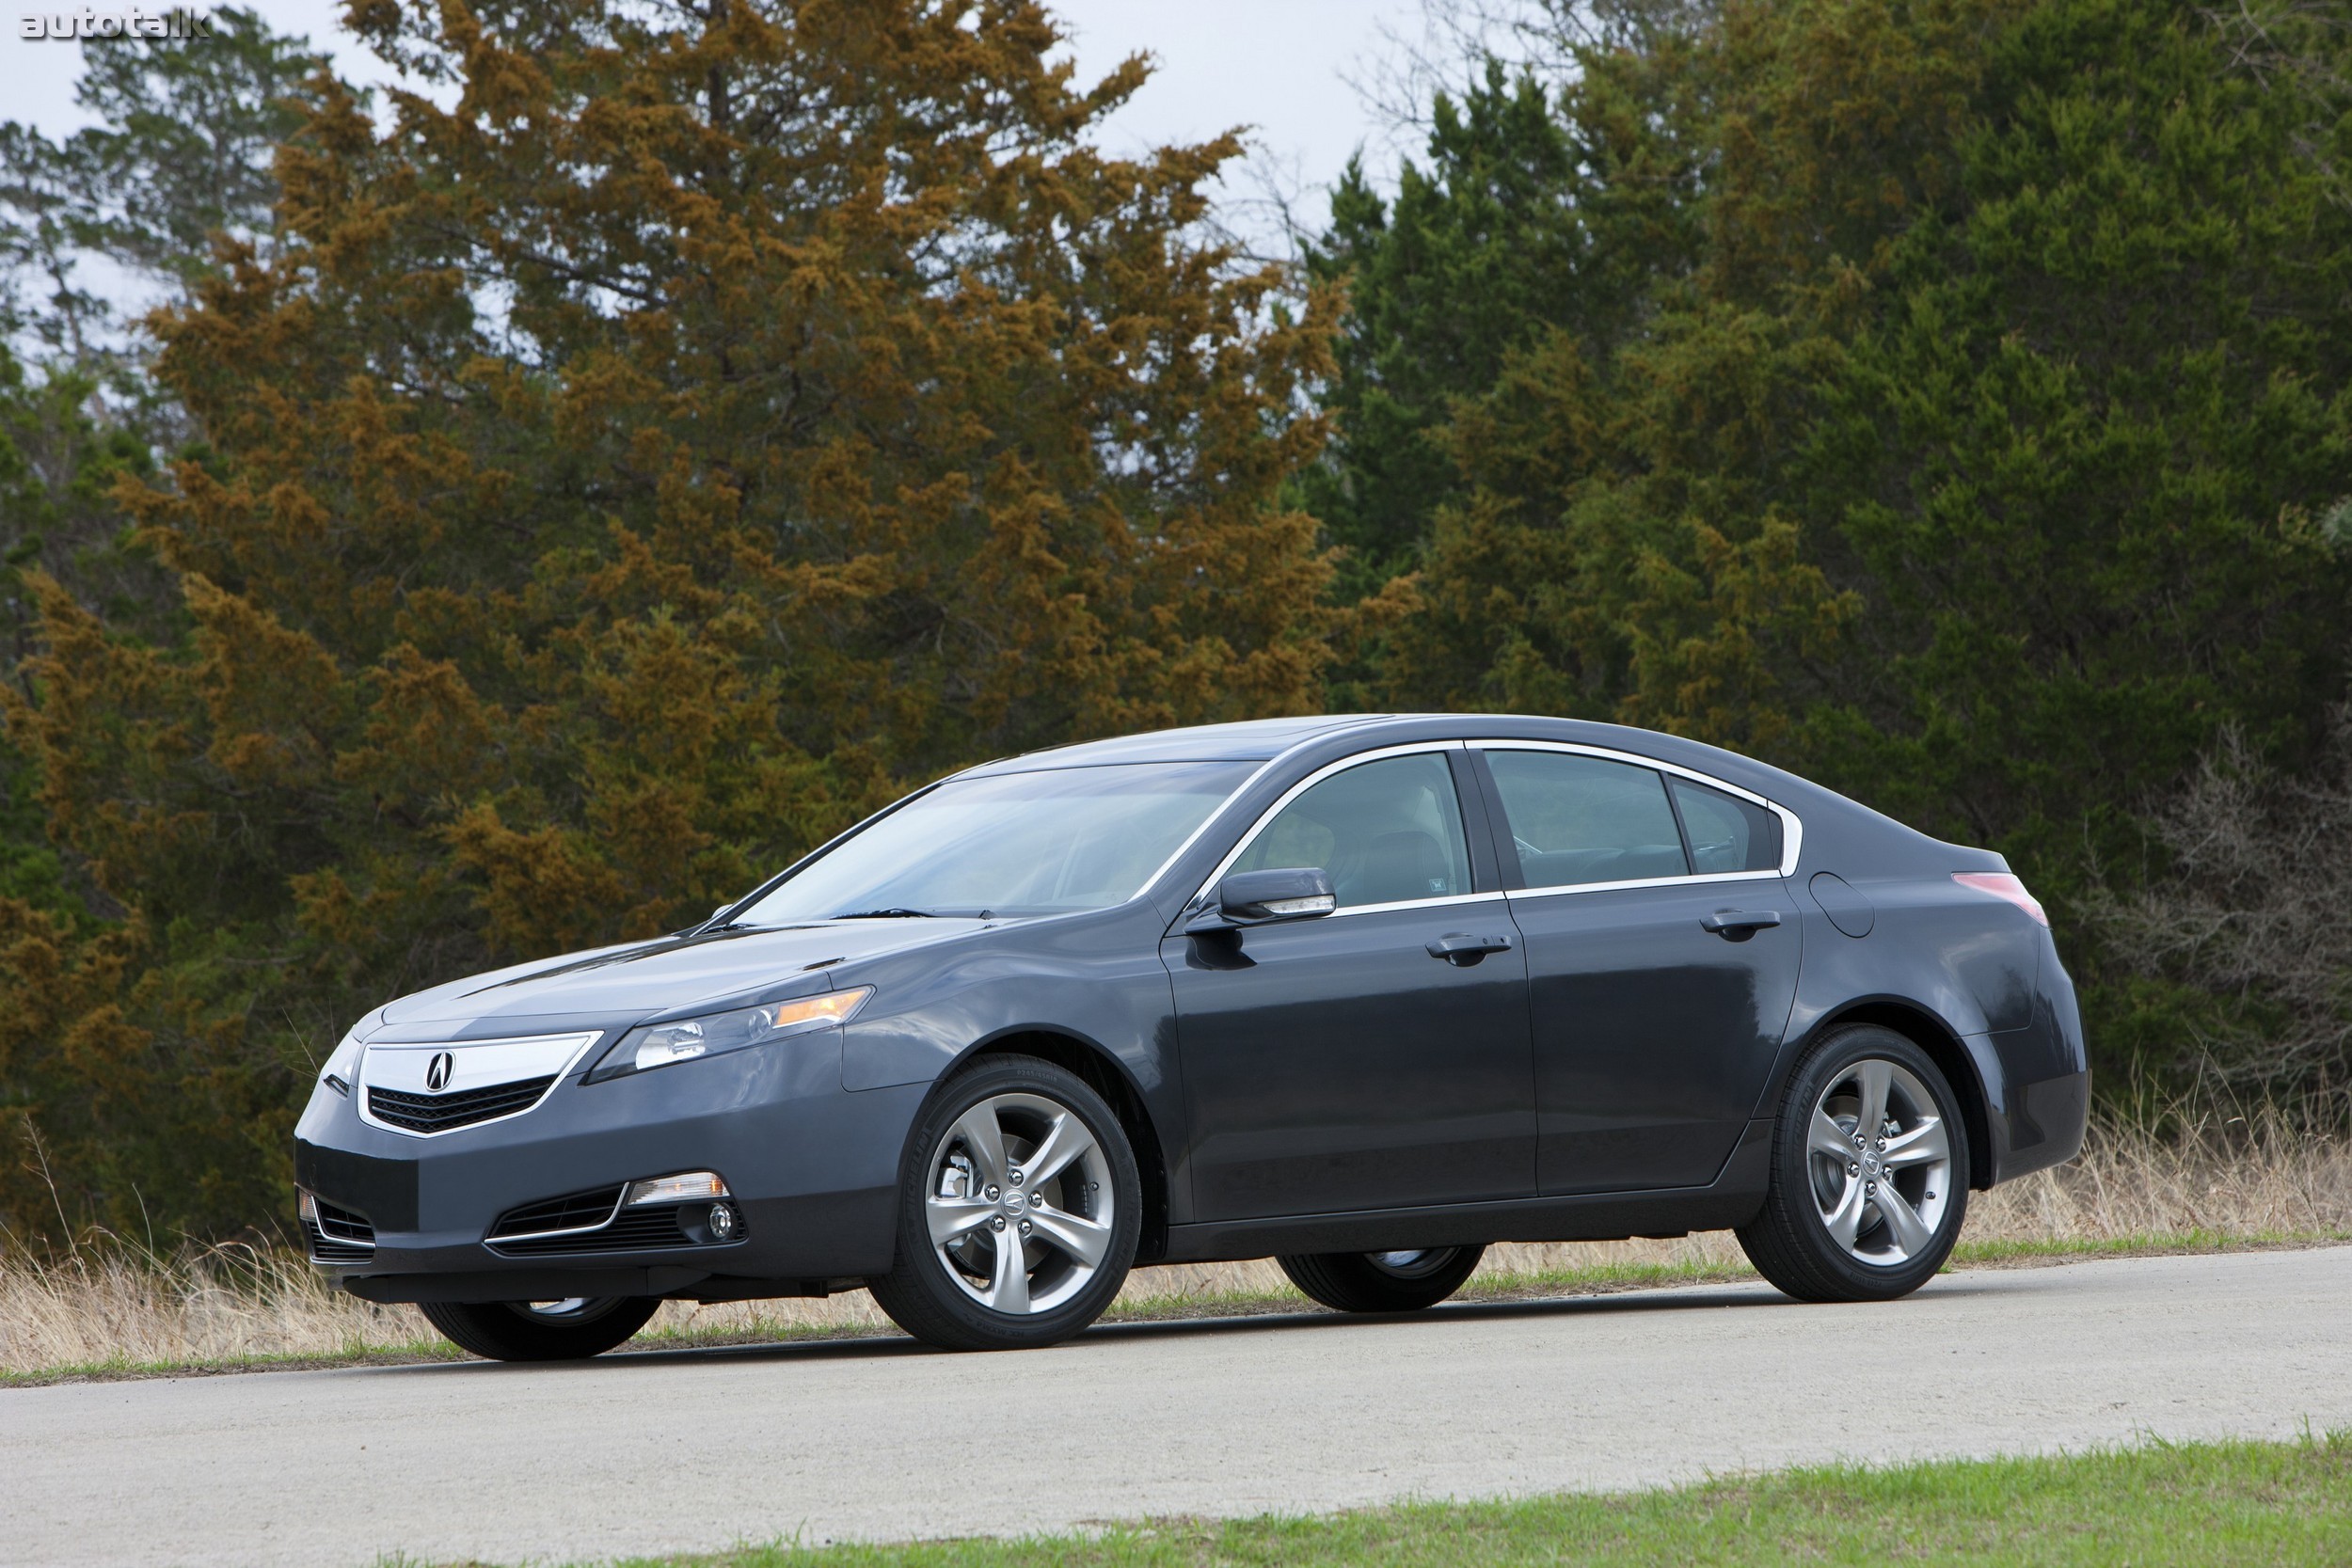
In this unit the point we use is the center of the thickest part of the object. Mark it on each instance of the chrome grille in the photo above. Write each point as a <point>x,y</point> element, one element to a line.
<point>338,1235</point>
<point>577,1211</point>
<point>424,1089</point>
<point>650,1228</point>
<point>441,1113</point>
<point>593,1221</point>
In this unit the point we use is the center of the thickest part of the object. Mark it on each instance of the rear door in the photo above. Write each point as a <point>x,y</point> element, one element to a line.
<point>1337,1064</point>
<point>1655,1024</point>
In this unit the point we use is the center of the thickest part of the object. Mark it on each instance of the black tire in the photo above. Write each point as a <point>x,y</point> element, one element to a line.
<point>1790,1240</point>
<point>934,1291</point>
<point>514,1331</point>
<point>1382,1282</point>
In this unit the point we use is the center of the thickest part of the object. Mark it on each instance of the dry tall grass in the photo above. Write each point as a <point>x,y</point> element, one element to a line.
<point>114,1304</point>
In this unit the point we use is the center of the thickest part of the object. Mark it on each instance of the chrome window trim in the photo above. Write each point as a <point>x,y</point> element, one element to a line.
<point>361,1088</point>
<point>1494,897</point>
<point>619,1203</point>
<point>1646,881</point>
<point>1408,749</point>
<point>1792,825</point>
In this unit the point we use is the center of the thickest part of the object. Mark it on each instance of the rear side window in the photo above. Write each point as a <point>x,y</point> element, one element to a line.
<point>1727,833</point>
<point>1388,831</point>
<point>1578,819</point>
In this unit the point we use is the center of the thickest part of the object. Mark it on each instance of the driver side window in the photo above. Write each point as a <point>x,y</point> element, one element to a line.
<point>1387,832</point>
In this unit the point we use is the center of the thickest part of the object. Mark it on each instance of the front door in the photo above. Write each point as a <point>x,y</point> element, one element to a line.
<point>1656,1023</point>
<point>1337,1064</point>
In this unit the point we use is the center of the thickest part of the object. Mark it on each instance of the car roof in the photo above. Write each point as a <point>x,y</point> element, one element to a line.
<point>1260,739</point>
<point>1251,741</point>
<point>1323,739</point>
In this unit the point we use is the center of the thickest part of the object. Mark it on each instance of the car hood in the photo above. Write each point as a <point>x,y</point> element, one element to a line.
<point>667,972</point>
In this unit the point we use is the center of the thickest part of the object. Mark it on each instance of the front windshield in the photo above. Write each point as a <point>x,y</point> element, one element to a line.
<point>1014,844</point>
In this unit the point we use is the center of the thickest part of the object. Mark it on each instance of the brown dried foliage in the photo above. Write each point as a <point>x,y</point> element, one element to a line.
<point>709,424</point>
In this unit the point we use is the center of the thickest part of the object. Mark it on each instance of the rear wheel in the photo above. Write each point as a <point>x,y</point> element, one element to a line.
<point>1018,1218</point>
<point>568,1330</point>
<point>1404,1281</point>
<point>1869,1174</point>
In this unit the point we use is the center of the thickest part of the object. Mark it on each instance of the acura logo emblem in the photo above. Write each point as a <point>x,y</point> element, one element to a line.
<point>437,1071</point>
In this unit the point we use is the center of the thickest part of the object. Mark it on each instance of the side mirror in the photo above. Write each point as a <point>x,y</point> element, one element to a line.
<point>1257,897</point>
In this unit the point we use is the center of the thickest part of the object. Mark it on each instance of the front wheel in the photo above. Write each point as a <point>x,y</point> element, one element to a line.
<point>1870,1173</point>
<point>1018,1211</point>
<point>1382,1282</point>
<point>569,1330</point>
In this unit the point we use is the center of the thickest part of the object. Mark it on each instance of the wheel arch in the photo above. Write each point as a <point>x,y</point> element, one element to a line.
<point>1101,1071</point>
<point>1944,1047</point>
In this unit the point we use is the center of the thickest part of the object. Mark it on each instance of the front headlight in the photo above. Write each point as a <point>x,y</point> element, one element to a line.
<point>342,1063</point>
<point>652,1045</point>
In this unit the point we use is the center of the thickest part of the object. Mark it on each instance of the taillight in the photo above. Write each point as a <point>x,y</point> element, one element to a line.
<point>2000,884</point>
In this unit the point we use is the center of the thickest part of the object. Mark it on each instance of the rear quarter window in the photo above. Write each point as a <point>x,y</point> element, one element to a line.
<point>1727,833</point>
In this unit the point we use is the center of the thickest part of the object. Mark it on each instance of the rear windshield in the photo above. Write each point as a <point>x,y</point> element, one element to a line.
<point>1012,844</point>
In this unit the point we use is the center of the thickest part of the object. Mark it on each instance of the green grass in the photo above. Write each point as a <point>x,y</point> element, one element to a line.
<point>429,1348</point>
<point>2146,1245</point>
<point>2229,1503</point>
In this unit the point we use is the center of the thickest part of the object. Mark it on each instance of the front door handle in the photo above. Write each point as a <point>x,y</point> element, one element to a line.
<point>1738,924</point>
<point>1462,951</point>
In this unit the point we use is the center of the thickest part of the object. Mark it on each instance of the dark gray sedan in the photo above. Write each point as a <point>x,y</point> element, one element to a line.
<point>1364,994</point>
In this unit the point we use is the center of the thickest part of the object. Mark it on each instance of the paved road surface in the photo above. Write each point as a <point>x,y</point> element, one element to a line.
<point>701,1448</point>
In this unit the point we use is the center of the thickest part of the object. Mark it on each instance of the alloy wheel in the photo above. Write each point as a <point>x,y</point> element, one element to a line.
<point>1020,1203</point>
<point>1879,1161</point>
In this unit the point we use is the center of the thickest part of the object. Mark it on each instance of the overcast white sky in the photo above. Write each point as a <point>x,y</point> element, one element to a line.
<point>1277,65</point>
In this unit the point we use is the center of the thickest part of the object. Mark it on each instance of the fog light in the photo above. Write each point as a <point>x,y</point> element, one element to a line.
<point>678,1189</point>
<point>722,1221</point>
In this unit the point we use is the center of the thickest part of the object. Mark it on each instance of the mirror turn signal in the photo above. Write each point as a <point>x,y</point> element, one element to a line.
<point>1261,897</point>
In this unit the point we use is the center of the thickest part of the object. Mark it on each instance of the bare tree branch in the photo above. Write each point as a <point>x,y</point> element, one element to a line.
<point>2252,911</point>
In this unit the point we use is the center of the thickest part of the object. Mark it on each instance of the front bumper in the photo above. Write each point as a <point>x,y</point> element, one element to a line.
<point>813,1170</point>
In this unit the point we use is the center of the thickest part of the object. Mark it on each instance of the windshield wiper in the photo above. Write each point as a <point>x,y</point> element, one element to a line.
<point>888,914</point>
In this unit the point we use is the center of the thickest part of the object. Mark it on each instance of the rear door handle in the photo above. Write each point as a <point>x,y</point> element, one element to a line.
<point>1738,924</point>
<point>1462,951</point>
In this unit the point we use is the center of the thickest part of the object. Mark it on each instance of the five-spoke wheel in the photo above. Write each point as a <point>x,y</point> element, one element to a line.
<point>1880,1161</point>
<point>1020,1203</point>
<point>1870,1177</point>
<point>1019,1216</point>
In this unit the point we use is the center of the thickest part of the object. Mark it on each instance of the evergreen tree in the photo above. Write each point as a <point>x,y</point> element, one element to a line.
<point>180,157</point>
<point>2074,451</point>
<point>1471,257</point>
<point>669,441</point>
<point>1976,458</point>
<point>1539,210</point>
